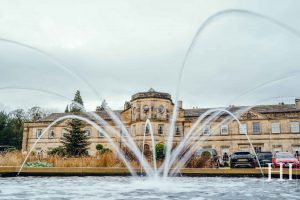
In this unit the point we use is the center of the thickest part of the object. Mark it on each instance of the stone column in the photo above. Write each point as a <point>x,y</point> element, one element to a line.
<point>25,138</point>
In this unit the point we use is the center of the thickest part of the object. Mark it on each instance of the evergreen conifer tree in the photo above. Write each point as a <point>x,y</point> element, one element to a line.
<point>76,142</point>
<point>78,106</point>
<point>67,109</point>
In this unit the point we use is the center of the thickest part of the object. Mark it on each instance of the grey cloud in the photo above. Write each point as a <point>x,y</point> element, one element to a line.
<point>123,47</point>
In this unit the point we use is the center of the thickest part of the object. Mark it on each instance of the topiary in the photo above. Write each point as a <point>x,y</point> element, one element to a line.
<point>206,154</point>
<point>160,150</point>
<point>99,147</point>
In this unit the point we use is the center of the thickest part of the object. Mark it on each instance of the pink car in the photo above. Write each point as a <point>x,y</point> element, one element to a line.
<point>286,158</point>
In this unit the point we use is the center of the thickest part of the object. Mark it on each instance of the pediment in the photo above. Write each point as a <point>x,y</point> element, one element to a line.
<point>251,115</point>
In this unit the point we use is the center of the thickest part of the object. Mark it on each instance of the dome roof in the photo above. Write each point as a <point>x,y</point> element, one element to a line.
<point>151,93</point>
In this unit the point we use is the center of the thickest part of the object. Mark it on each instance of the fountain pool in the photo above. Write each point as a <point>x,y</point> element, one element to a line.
<point>144,188</point>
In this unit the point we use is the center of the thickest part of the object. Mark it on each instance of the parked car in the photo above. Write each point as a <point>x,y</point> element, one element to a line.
<point>212,152</point>
<point>6,148</point>
<point>286,158</point>
<point>264,158</point>
<point>216,161</point>
<point>242,159</point>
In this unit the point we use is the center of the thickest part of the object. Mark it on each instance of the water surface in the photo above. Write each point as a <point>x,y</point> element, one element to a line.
<point>182,188</point>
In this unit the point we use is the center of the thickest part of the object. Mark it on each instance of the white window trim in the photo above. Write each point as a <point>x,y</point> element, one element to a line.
<point>222,127</point>
<point>162,129</point>
<point>144,129</point>
<point>176,133</point>
<point>296,126</point>
<point>38,134</point>
<point>274,131</point>
<point>206,127</point>
<point>51,130</point>
<point>101,135</point>
<point>240,129</point>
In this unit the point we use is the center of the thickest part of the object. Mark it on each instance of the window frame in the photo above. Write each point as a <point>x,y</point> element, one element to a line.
<point>222,127</point>
<point>273,130</point>
<point>206,128</point>
<point>100,134</point>
<point>37,135</point>
<point>241,128</point>
<point>50,133</point>
<point>297,127</point>
<point>160,129</point>
<point>146,129</point>
<point>253,128</point>
<point>177,131</point>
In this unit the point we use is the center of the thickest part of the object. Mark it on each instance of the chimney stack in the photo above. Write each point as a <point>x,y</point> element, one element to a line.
<point>179,104</point>
<point>297,102</point>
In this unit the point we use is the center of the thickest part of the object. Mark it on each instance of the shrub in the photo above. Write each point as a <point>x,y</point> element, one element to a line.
<point>38,164</point>
<point>59,151</point>
<point>99,147</point>
<point>206,154</point>
<point>198,162</point>
<point>105,150</point>
<point>160,151</point>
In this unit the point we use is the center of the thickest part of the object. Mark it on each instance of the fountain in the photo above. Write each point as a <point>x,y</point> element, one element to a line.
<point>175,158</point>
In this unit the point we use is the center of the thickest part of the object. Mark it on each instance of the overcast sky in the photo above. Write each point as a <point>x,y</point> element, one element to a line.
<point>127,46</point>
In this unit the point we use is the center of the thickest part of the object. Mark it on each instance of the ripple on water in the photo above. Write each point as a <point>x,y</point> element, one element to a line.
<point>195,188</point>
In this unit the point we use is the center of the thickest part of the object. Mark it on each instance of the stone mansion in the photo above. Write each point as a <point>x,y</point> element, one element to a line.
<point>270,127</point>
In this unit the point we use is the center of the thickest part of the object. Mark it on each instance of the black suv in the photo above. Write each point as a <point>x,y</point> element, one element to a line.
<point>242,159</point>
<point>264,158</point>
<point>6,148</point>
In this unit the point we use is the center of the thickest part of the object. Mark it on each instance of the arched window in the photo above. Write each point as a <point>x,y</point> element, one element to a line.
<point>146,147</point>
<point>177,131</point>
<point>160,129</point>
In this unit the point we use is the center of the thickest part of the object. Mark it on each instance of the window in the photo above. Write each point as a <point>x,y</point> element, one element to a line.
<point>256,127</point>
<point>51,133</point>
<point>146,149</point>
<point>243,128</point>
<point>224,129</point>
<point>146,129</point>
<point>39,132</point>
<point>257,149</point>
<point>294,127</point>
<point>123,133</point>
<point>177,130</point>
<point>206,130</point>
<point>87,132</point>
<point>64,132</point>
<point>101,134</point>
<point>160,130</point>
<point>275,127</point>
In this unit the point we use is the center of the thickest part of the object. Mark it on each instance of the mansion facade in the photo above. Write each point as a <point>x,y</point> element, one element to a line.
<point>269,127</point>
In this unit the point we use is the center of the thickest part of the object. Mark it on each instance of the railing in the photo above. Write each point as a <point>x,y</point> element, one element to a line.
<point>280,171</point>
